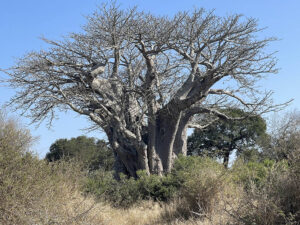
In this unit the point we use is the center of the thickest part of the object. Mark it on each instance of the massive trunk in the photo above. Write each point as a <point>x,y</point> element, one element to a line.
<point>166,139</point>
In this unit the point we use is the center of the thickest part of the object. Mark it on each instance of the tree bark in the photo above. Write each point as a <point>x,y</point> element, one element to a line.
<point>166,139</point>
<point>129,158</point>
<point>155,163</point>
<point>166,130</point>
<point>180,144</point>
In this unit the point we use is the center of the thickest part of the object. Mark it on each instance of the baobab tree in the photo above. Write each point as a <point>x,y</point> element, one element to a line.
<point>141,78</point>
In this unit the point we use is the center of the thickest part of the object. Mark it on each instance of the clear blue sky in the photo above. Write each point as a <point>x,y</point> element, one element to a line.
<point>22,22</point>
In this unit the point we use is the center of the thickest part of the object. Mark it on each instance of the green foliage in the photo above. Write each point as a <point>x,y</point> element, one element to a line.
<point>254,173</point>
<point>93,154</point>
<point>98,183</point>
<point>128,191</point>
<point>224,136</point>
<point>188,173</point>
<point>156,187</point>
<point>124,193</point>
<point>251,155</point>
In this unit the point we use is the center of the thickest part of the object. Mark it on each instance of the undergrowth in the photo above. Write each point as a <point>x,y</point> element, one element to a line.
<point>197,191</point>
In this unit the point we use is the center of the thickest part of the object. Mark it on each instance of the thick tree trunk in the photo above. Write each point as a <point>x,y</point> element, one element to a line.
<point>129,158</point>
<point>167,138</point>
<point>155,164</point>
<point>166,130</point>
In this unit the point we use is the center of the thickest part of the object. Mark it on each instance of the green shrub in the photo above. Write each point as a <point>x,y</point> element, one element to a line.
<point>195,179</point>
<point>126,192</point>
<point>98,183</point>
<point>157,188</point>
<point>252,172</point>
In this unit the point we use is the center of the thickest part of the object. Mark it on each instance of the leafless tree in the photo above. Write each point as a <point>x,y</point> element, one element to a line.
<point>284,137</point>
<point>142,78</point>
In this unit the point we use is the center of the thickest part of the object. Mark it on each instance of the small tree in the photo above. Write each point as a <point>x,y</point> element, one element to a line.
<point>93,153</point>
<point>284,137</point>
<point>13,137</point>
<point>224,136</point>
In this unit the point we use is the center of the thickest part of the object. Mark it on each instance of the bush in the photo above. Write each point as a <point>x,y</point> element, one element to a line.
<point>252,172</point>
<point>271,194</point>
<point>156,187</point>
<point>201,183</point>
<point>98,183</point>
<point>33,191</point>
<point>196,180</point>
<point>129,191</point>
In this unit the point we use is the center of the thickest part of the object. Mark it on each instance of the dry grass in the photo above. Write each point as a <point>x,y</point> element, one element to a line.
<point>145,213</point>
<point>33,192</point>
<point>218,217</point>
<point>175,212</point>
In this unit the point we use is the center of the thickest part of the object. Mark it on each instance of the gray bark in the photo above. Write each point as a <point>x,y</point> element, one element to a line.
<point>166,129</point>
<point>180,144</point>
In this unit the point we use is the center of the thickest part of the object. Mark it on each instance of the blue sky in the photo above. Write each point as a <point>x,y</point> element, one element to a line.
<point>23,22</point>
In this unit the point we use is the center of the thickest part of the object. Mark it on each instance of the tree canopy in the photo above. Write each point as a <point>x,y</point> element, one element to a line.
<point>222,137</point>
<point>94,154</point>
<point>141,78</point>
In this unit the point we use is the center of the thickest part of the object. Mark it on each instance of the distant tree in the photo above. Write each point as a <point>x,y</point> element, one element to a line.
<point>284,137</point>
<point>222,137</point>
<point>95,154</point>
<point>13,137</point>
